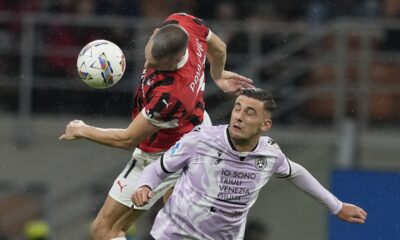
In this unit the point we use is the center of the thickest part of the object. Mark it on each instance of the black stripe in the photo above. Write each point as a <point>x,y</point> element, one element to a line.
<point>231,143</point>
<point>200,106</point>
<point>130,168</point>
<point>229,139</point>
<point>160,105</point>
<point>236,203</point>
<point>195,120</point>
<point>162,165</point>
<point>170,22</point>
<point>252,150</point>
<point>199,21</point>
<point>153,137</point>
<point>171,113</point>
<point>146,79</point>
<point>165,82</point>
<point>290,170</point>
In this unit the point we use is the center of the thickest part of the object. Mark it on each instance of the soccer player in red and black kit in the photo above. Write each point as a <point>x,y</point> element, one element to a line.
<point>169,103</point>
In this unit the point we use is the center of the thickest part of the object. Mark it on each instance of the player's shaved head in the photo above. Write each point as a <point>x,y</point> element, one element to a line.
<point>264,96</point>
<point>169,41</point>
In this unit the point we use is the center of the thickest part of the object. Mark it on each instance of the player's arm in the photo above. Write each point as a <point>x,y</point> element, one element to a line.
<point>138,130</point>
<point>303,179</point>
<point>155,173</point>
<point>229,82</point>
<point>151,177</point>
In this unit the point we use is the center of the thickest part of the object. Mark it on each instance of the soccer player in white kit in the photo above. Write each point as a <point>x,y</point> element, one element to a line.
<point>223,169</point>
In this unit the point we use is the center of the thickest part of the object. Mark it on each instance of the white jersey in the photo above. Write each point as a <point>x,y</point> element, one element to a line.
<point>217,187</point>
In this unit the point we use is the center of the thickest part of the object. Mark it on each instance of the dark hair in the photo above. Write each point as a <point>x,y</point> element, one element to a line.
<point>169,41</point>
<point>264,96</point>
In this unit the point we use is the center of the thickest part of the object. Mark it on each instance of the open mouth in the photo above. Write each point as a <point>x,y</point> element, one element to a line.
<point>237,127</point>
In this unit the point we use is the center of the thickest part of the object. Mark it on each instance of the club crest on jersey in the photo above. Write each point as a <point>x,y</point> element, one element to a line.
<point>261,163</point>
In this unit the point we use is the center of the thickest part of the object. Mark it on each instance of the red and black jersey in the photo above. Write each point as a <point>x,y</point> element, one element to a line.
<point>173,100</point>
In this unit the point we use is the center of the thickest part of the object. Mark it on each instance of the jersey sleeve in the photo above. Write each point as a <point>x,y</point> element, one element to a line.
<point>175,159</point>
<point>179,155</point>
<point>195,24</point>
<point>163,110</point>
<point>283,168</point>
<point>309,185</point>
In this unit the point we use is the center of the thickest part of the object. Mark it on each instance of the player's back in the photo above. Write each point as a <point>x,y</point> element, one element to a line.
<point>173,100</point>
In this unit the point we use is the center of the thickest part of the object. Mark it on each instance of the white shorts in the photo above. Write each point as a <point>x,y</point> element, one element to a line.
<point>125,184</point>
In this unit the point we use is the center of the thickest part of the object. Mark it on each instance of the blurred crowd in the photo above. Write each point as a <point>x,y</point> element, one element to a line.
<point>382,106</point>
<point>291,10</point>
<point>58,36</point>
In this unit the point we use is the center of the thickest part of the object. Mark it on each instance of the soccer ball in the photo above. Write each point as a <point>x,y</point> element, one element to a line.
<point>101,64</point>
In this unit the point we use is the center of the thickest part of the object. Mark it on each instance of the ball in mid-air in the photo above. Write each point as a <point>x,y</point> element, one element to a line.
<point>101,64</point>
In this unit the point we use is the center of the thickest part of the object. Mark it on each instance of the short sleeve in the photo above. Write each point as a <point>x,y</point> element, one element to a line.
<point>163,110</point>
<point>209,35</point>
<point>282,168</point>
<point>179,155</point>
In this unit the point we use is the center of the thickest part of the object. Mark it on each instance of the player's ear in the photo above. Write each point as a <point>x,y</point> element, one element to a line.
<point>267,124</point>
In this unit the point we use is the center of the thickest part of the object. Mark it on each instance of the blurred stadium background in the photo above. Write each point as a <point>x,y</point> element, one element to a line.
<point>333,66</point>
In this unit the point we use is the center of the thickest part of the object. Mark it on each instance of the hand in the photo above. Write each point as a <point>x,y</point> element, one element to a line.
<point>352,213</point>
<point>142,195</point>
<point>73,130</point>
<point>231,82</point>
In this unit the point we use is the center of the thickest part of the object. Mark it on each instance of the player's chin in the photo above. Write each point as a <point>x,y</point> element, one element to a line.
<point>237,133</point>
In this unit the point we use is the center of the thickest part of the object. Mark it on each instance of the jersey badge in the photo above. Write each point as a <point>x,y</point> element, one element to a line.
<point>261,163</point>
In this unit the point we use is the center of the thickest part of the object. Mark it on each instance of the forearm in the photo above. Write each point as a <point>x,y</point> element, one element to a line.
<point>112,137</point>
<point>217,59</point>
<point>301,178</point>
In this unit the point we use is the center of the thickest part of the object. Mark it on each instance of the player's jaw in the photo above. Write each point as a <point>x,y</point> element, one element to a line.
<point>241,131</point>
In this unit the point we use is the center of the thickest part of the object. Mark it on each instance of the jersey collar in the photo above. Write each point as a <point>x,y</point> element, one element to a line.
<point>229,141</point>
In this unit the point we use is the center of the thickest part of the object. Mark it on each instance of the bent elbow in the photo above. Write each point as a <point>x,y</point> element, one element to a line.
<point>221,50</point>
<point>125,144</point>
<point>223,47</point>
<point>129,145</point>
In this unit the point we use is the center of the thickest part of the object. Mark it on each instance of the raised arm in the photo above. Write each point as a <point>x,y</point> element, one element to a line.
<point>128,138</point>
<point>302,179</point>
<point>229,82</point>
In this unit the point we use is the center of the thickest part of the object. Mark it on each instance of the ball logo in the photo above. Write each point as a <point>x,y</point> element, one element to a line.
<point>106,68</point>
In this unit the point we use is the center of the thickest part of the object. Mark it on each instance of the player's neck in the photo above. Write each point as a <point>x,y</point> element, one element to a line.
<point>244,146</point>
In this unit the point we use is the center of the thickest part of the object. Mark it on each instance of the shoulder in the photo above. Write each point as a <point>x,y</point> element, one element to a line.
<point>185,17</point>
<point>190,23</point>
<point>270,146</point>
<point>205,133</point>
